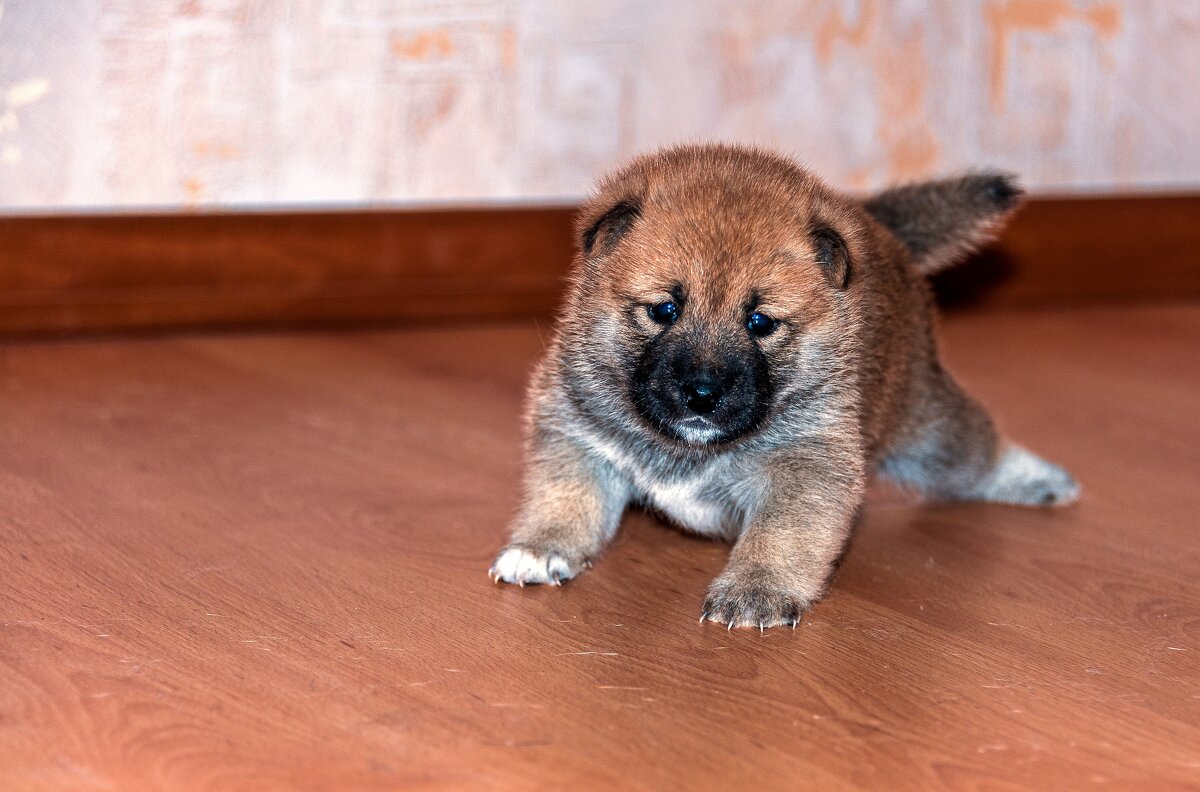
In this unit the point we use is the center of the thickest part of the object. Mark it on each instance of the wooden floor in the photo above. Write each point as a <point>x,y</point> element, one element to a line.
<point>259,562</point>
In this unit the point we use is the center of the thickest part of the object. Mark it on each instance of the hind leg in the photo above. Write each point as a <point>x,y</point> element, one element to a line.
<point>953,452</point>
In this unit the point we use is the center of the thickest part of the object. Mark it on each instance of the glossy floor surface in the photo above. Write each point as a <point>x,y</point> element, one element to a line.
<point>258,562</point>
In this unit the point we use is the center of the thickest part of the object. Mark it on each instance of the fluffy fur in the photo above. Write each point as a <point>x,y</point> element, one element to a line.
<point>765,440</point>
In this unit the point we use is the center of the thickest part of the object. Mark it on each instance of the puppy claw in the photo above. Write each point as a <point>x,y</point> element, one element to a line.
<point>753,602</point>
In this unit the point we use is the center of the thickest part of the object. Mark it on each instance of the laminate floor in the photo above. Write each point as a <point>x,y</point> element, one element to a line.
<point>254,562</point>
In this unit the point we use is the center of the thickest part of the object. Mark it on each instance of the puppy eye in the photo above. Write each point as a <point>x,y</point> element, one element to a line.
<point>664,312</point>
<point>759,324</point>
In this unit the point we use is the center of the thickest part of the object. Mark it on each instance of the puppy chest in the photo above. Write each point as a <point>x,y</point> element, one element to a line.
<point>694,505</point>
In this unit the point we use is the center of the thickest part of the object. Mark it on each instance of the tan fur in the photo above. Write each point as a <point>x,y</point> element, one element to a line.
<point>855,383</point>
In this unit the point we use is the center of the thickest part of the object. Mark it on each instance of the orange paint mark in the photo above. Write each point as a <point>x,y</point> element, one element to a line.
<point>1104,19</point>
<point>508,49</point>
<point>428,114</point>
<point>215,148</point>
<point>423,46</point>
<point>902,77</point>
<point>193,191</point>
<point>912,156</point>
<point>858,179</point>
<point>738,83</point>
<point>1005,18</point>
<point>833,29</point>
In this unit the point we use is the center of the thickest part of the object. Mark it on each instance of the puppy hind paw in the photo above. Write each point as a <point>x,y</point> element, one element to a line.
<point>521,565</point>
<point>1024,479</point>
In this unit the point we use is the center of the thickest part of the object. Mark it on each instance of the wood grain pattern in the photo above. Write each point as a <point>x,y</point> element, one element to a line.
<point>258,562</point>
<point>62,275</point>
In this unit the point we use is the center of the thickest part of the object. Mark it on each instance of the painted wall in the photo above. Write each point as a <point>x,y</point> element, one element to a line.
<point>185,103</point>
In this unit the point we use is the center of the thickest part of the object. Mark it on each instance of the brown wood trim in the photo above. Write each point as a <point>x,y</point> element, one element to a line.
<point>119,272</point>
<point>135,272</point>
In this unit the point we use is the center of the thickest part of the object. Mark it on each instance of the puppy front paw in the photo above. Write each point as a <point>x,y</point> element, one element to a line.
<point>756,598</point>
<point>519,564</point>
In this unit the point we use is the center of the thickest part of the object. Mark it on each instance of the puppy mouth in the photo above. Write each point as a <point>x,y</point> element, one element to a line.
<point>697,430</point>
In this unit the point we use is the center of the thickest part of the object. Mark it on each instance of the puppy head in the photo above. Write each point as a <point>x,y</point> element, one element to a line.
<point>704,275</point>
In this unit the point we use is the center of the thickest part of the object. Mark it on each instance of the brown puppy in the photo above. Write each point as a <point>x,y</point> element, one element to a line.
<point>740,347</point>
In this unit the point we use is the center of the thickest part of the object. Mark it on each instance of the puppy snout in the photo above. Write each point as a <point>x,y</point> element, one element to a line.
<point>702,394</point>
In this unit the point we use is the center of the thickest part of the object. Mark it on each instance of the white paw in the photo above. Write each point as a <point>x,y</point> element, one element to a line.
<point>521,566</point>
<point>1025,479</point>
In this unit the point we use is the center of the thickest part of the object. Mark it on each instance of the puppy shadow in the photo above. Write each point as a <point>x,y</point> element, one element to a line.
<point>966,285</point>
<point>648,537</point>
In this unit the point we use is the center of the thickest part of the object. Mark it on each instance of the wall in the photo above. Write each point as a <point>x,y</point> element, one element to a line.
<point>133,103</point>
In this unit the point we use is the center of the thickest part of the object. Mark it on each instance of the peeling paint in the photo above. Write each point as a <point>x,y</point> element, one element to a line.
<point>833,29</point>
<point>1007,18</point>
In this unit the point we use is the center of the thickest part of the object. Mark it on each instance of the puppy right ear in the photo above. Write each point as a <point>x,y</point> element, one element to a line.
<point>942,221</point>
<point>602,235</point>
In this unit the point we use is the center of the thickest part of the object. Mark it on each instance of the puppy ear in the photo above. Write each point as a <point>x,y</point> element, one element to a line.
<point>602,234</point>
<point>833,256</point>
<point>942,221</point>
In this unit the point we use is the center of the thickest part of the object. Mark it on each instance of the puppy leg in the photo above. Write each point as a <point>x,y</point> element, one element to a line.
<point>956,454</point>
<point>782,562</point>
<point>1020,477</point>
<point>571,508</point>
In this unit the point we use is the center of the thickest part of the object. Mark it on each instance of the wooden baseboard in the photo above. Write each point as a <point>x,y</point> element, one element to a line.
<point>109,273</point>
<point>61,275</point>
<point>1085,250</point>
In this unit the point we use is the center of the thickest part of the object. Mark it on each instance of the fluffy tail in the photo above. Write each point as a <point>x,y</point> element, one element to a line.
<point>941,221</point>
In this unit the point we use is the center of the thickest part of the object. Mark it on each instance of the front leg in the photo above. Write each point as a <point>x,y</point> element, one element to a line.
<point>571,507</point>
<point>783,560</point>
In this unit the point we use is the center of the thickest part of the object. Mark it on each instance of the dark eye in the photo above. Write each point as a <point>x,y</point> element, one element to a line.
<point>664,312</point>
<point>760,324</point>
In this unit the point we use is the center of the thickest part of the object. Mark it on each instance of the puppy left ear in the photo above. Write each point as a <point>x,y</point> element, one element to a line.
<point>833,256</point>
<point>603,234</point>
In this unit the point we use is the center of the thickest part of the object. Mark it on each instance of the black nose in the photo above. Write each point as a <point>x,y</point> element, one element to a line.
<point>702,395</point>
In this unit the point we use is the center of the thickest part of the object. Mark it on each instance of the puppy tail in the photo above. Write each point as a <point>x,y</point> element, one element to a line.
<point>941,221</point>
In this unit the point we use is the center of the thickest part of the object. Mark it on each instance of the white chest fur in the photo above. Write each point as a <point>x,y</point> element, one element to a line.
<point>685,502</point>
<point>689,501</point>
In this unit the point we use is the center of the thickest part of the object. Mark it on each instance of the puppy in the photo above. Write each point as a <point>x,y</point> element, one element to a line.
<point>741,346</point>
